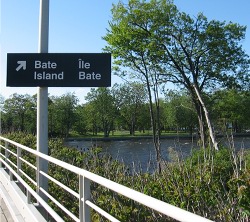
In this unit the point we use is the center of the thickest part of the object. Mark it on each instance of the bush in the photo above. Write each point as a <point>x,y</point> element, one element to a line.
<point>215,185</point>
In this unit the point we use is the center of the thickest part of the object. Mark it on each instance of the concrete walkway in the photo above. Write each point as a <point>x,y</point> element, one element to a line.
<point>5,215</point>
<point>8,209</point>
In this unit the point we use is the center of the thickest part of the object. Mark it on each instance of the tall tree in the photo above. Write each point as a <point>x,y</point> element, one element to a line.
<point>180,111</point>
<point>1,109</point>
<point>130,45</point>
<point>231,110</point>
<point>1,102</point>
<point>62,115</point>
<point>31,117</point>
<point>80,125</point>
<point>19,113</point>
<point>129,98</point>
<point>104,106</point>
<point>92,118</point>
<point>194,53</point>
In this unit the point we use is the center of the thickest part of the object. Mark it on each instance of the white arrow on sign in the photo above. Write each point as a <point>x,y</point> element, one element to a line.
<point>21,65</point>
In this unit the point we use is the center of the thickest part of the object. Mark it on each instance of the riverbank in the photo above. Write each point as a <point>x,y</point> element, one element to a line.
<point>136,138</point>
<point>122,138</point>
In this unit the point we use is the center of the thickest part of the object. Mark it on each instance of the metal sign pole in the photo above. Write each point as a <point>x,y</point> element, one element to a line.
<point>42,102</point>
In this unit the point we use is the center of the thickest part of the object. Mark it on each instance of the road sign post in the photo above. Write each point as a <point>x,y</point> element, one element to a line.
<point>42,101</point>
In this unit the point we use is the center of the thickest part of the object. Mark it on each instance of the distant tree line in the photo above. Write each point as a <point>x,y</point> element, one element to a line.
<point>125,107</point>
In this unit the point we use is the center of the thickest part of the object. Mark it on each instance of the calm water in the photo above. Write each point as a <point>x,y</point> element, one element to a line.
<point>141,154</point>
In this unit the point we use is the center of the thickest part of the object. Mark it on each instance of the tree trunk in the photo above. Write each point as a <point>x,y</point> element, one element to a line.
<point>202,130</point>
<point>155,130</point>
<point>209,125</point>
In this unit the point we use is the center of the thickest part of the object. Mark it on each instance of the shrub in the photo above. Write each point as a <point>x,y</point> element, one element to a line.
<point>215,185</point>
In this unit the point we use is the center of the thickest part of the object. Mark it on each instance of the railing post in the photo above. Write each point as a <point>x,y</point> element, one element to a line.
<point>6,153</point>
<point>19,153</point>
<point>84,194</point>
<point>1,164</point>
<point>28,197</point>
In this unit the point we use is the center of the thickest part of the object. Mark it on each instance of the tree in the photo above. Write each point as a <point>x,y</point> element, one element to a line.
<point>194,53</point>
<point>143,119</point>
<point>129,99</point>
<point>31,117</point>
<point>92,120</point>
<point>80,125</point>
<point>1,102</point>
<point>231,110</point>
<point>130,45</point>
<point>104,107</point>
<point>1,109</point>
<point>19,113</point>
<point>180,111</point>
<point>62,114</point>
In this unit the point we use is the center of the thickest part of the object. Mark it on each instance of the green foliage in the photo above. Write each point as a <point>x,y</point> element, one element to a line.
<point>19,114</point>
<point>103,108</point>
<point>230,107</point>
<point>25,139</point>
<point>205,183</point>
<point>129,98</point>
<point>62,114</point>
<point>179,111</point>
<point>212,184</point>
<point>240,189</point>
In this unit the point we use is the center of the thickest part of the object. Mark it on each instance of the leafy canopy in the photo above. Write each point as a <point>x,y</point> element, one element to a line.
<point>155,35</point>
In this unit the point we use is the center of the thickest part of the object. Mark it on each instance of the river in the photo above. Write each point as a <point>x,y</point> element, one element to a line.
<point>140,154</point>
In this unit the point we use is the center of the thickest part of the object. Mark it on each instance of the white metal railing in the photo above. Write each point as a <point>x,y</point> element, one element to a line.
<point>14,168</point>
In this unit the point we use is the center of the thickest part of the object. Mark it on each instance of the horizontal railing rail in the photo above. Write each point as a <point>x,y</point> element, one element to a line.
<point>11,159</point>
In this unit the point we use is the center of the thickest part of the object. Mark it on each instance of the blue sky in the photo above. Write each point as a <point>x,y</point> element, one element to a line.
<point>78,25</point>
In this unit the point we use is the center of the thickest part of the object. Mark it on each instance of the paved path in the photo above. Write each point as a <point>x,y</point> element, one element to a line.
<point>4,212</point>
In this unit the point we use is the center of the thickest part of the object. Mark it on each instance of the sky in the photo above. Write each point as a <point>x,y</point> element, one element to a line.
<point>77,26</point>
